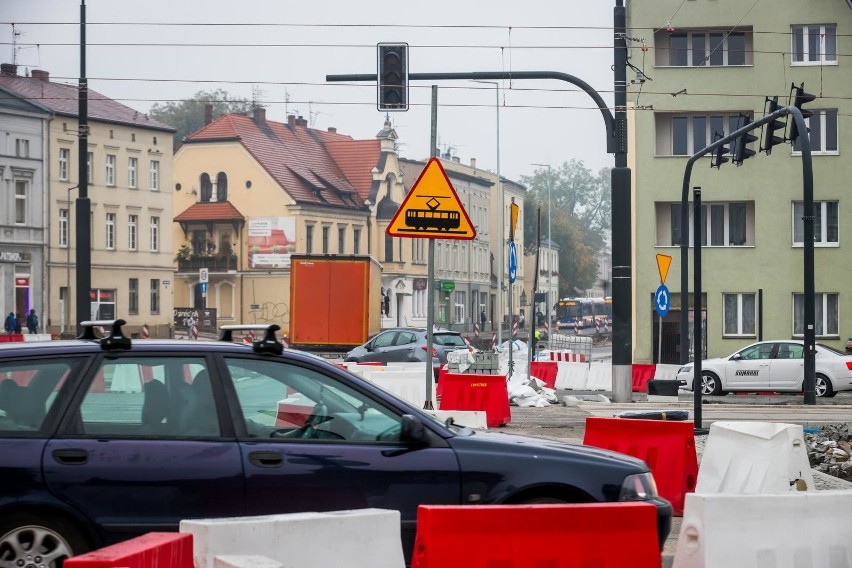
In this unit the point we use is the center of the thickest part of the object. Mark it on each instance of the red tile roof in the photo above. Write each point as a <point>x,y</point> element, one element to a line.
<point>312,166</point>
<point>62,99</point>
<point>203,212</point>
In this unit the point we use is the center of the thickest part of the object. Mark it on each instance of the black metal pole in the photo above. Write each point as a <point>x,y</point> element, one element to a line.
<point>760,314</point>
<point>83,208</point>
<point>697,335</point>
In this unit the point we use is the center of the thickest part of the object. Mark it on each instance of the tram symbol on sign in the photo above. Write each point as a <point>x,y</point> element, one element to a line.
<point>432,218</point>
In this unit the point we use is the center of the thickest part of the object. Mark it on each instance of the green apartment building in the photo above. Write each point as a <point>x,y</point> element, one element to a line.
<point>698,66</point>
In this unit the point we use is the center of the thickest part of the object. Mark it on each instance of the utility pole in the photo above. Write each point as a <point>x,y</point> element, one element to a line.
<point>83,204</point>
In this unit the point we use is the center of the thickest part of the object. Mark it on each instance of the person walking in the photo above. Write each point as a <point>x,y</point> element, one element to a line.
<point>9,323</point>
<point>482,319</point>
<point>32,322</point>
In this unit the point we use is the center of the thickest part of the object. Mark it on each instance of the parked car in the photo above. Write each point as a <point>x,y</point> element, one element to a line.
<point>105,439</point>
<point>772,366</point>
<point>407,344</point>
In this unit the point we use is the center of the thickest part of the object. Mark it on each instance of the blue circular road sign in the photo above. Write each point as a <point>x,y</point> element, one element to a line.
<point>513,261</point>
<point>662,300</point>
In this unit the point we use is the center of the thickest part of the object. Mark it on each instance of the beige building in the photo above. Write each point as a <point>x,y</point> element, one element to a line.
<point>130,187</point>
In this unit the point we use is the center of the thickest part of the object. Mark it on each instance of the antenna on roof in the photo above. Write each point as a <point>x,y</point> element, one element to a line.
<point>15,35</point>
<point>256,96</point>
<point>286,102</point>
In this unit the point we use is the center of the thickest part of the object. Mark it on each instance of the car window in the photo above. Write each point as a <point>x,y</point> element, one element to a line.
<point>790,351</point>
<point>405,337</point>
<point>28,390</point>
<point>285,401</point>
<point>761,351</point>
<point>150,396</point>
<point>450,340</point>
<point>384,339</point>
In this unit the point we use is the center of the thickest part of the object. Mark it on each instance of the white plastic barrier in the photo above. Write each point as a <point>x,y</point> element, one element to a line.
<point>245,561</point>
<point>663,372</point>
<point>410,386</point>
<point>364,538</point>
<point>476,419</point>
<point>571,375</point>
<point>37,337</point>
<point>600,377</point>
<point>754,457</point>
<point>791,530</point>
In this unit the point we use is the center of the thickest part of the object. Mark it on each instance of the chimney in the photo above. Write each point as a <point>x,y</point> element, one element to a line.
<point>9,69</point>
<point>208,113</point>
<point>456,160</point>
<point>291,120</point>
<point>332,129</point>
<point>301,121</point>
<point>259,114</point>
<point>473,163</point>
<point>41,75</point>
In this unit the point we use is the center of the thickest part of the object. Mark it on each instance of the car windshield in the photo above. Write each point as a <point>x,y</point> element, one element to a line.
<point>450,339</point>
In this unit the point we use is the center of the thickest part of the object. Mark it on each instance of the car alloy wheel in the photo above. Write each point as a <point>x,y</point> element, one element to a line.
<point>33,546</point>
<point>822,387</point>
<point>710,384</point>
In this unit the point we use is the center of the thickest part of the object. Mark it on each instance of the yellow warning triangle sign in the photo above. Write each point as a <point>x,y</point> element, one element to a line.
<point>432,209</point>
<point>663,263</point>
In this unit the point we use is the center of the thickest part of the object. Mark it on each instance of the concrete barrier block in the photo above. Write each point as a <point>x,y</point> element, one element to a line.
<point>755,457</point>
<point>782,530</point>
<point>476,419</point>
<point>245,561</point>
<point>364,538</point>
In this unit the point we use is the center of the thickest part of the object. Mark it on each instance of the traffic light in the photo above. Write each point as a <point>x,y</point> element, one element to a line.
<point>393,77</point>
<point>741,150</point>
<point>769,138</point>
<point>718,158</point>
<point>800,98</point>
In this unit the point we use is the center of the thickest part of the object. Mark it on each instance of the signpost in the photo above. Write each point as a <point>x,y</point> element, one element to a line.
<point>203,276</point>
<point>662,299</point>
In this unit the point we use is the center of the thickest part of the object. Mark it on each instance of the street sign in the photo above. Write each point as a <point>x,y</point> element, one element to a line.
<point>513,261</point>
<point>664,261</point>
<point>204,287</point>
<point>662,300</point>
<point>432,209</point>
<point>203,275</point>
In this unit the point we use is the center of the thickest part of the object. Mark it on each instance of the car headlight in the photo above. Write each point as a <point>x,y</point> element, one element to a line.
<point>686,369</point>
<point>638,487</point>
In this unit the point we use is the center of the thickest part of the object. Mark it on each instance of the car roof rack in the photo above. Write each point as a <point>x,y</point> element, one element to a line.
<point>114,339</point>
<point>267,344</point>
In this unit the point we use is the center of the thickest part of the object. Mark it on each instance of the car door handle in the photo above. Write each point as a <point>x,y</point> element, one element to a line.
<point>266,459</point>
<point>71,456</point>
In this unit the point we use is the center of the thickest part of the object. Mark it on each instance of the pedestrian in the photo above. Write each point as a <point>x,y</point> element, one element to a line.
<point>32,322</point>
<point>189,321</point>
<point>482,319</point>
<point>521,320</point>
<point>18,319</point>
<point>9,323</point>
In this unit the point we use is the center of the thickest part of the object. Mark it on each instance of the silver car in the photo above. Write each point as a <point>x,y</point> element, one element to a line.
<point>777,366</point>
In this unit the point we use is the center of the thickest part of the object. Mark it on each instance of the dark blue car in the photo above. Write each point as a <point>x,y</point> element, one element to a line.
<point>105,439</point>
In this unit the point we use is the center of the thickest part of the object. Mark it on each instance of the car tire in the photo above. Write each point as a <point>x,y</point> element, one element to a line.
<point>710,384</point>
<point>57,539</point>
<point>823,388</point>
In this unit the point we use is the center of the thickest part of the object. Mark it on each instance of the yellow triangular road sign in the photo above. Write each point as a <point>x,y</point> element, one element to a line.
<point>432,209</point>
<point>663,263</point>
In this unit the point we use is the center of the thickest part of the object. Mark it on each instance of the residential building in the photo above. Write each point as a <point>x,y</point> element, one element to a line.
<point>711,63</point>
<point>541,300</point>
<point>23,237</point>
<point>130,186</point>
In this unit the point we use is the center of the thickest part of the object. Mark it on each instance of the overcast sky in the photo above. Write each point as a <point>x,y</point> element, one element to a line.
<point>285,64</point>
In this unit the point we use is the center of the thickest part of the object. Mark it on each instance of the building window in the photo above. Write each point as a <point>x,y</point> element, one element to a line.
<point>814,44</point>
<point>325,239</point>
<point>826,223</point>
<point>155,176</point>
<point>740,314</point>
<point>63,227</point>
<point>701,48</point>
<point>206,188</point>
<point>341,240</point>
<point>388,248</point>
<point>309,239</point>
<point>90,160</point>
<point>103,304</point>
<point>22,148</point>
<point>21,190</point>
<point>110,231</point>
<point>822,126</point>
<point>132,221</point>
<point>155,234</point>
<point>64,158</point>
<point>684,135</point>
<point>133,296</point>
<point>458,312</point>
<point>110,169</point>
<point>723,224</point>
<point>221,187</point>
<point>131,172</point>
<point>155,296</point>
<point>356,241</point>
<point>826,315</point>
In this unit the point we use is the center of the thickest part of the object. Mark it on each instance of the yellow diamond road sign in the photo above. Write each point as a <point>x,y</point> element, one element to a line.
<point>432,210</point>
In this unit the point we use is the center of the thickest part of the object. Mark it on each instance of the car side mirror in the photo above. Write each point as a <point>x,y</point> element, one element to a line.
<point>412,430</point>
<point>736,357</point>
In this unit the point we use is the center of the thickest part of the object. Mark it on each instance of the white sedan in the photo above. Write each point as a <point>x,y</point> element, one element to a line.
<point>772,366</point>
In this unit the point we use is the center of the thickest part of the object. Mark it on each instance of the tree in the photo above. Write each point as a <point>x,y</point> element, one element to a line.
<point>580,219</point>
<point>187,116</point>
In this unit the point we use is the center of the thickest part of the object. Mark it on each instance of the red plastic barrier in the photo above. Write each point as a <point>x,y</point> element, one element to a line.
<point>546,371</point>
<point>463,391</point>
<point>156,549</point>
<point>292,415</point>
<point>667,447</point>
<point>603,535</point>
<point>642,373</point>
<point>11,337</point>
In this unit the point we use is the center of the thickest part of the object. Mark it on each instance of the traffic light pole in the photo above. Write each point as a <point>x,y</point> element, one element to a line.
<point>808,246</point>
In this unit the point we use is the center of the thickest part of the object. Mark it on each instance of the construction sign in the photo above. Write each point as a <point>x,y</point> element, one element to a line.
<point>432,210</point>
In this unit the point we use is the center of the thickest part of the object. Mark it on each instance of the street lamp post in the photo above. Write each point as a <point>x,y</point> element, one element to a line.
<point>549,304</point>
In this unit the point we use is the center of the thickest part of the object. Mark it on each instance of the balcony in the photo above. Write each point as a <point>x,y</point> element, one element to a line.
<point>211,263</point>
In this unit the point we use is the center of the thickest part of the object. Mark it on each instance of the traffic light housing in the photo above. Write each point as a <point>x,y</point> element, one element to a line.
<point>800,98</point>
<point>769,138</point>
<point>393,76</point>
<point>718,158</point>
<point>741,150</point>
